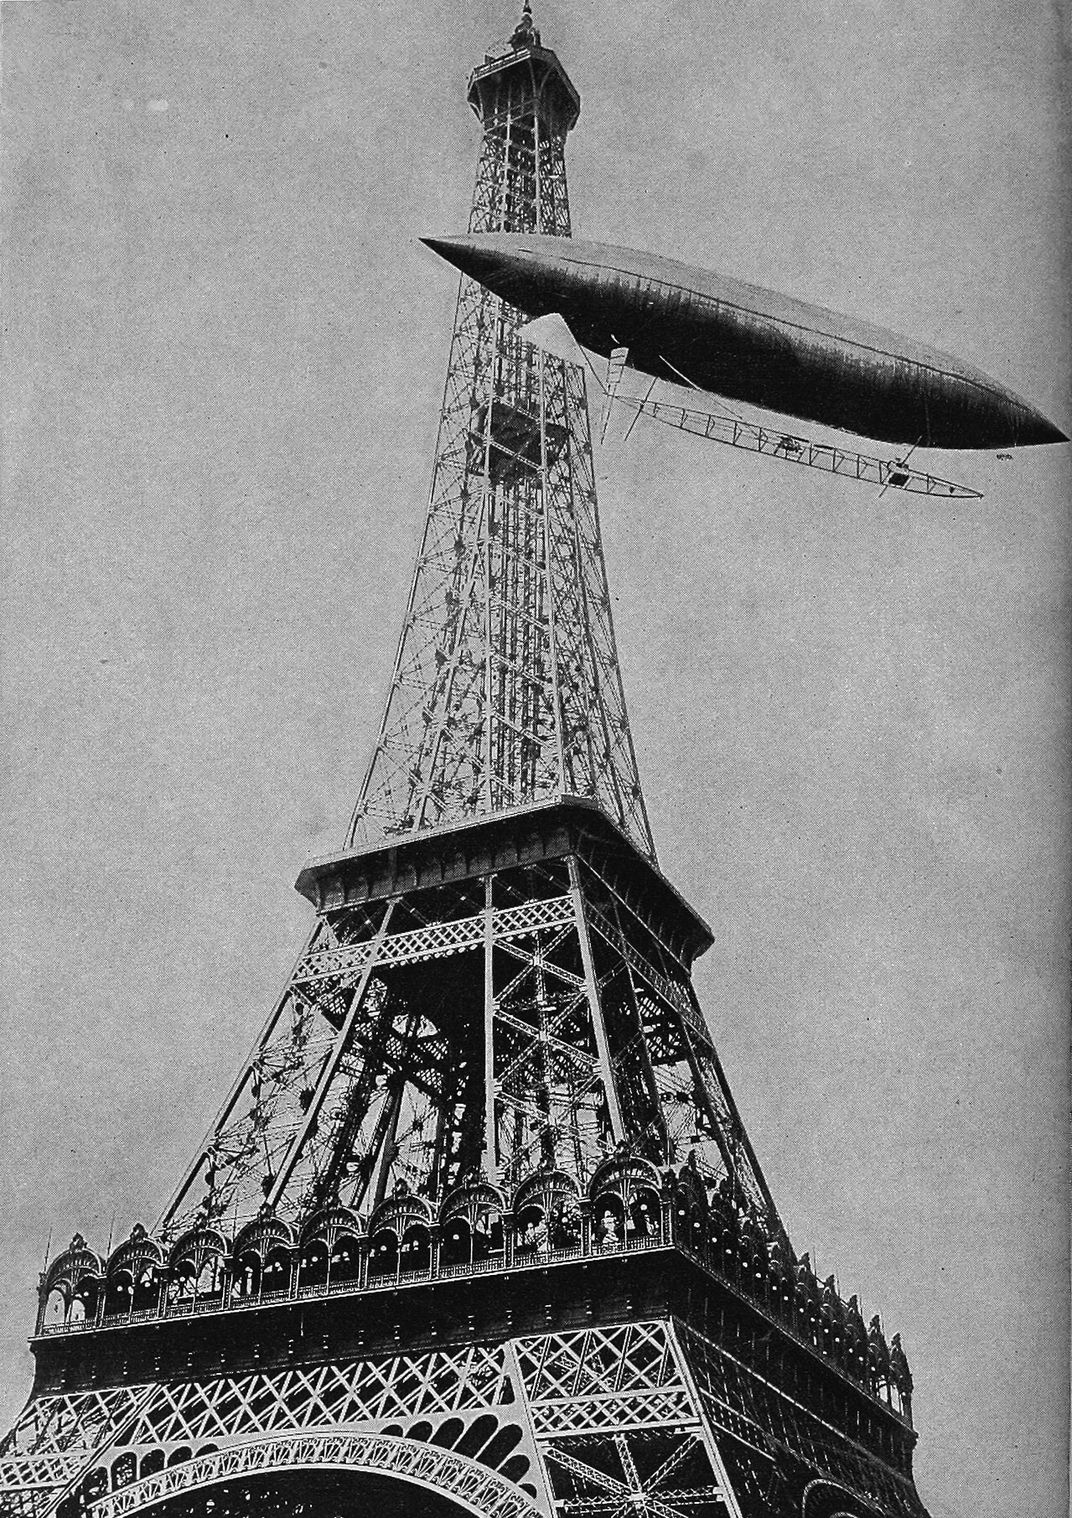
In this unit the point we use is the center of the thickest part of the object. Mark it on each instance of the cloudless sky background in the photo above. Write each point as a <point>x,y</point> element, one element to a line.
<point>224,360</point>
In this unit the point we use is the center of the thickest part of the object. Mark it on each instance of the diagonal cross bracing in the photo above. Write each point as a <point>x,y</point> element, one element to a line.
<point>506,687</point>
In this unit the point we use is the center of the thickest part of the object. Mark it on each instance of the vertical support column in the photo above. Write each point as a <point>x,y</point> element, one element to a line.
<point>532,1444</point>
<point>537,174</point>
<point>558,715</point>
<point>684,1370</point>
<point>378,1183</point>
<point>666,1214</point>
<point>606,1069</point>
<point>331,1065</point>
<point>491,1157</point>
<point>487,525</point>
<point>645,1054</point>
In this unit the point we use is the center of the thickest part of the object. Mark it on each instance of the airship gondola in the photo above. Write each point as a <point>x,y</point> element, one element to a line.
<point>744,343</point>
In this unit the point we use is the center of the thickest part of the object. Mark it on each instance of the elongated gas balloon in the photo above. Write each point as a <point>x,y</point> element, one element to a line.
<point>748,344</point>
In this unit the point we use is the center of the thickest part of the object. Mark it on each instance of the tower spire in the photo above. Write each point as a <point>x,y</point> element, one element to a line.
<point>506,689</point>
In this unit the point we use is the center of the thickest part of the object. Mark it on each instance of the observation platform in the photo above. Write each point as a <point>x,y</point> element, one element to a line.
<point>640,1244</point>
<point>533,67</point>
<point>533,834</point>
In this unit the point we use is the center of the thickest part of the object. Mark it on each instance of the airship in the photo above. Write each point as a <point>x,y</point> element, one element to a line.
<point>684,324</point>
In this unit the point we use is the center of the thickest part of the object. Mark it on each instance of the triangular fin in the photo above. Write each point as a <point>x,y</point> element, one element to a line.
<point>552,334</point>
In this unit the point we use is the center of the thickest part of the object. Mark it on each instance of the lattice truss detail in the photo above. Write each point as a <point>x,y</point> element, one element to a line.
<point>112,1452</point>
<point>648,1417</point>
<point>506,687</point>
<point>607,1414</point>
<point>226,1473</point>
<point>604,1378</point>
<point>525,1021</point>
<point>619,1425</point>
<point>52,1441</point>
<point>777,1444</point>
<point>376,1391</point>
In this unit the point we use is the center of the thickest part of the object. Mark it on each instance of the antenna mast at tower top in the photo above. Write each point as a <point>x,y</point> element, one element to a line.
<point>525,33</point>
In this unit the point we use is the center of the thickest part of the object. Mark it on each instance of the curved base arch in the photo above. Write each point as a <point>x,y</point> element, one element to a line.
<point>453,1483</point>
<point>826,1498</point>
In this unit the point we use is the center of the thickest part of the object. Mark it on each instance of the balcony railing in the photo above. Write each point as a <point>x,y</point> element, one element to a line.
<point>806,1309</point>
<point>366,1281</point>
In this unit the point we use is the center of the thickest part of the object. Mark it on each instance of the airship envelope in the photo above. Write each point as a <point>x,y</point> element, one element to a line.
<point>739,341</point>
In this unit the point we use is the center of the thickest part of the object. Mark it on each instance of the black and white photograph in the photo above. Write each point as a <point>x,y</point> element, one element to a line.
<point>534,683</point>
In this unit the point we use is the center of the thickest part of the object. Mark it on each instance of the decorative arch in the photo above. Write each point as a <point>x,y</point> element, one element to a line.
<point>83,1308</point>
<point>544,1189</point>
<point>475,1488</point>
<point>74,1278</point>
<point>753,1259</point>
<point>624,1175</point>
<point>398,1213</point>
<point>330,1248</point>
<point>471,1201</point>
<point>133,1274</point>
<point>139,1249</point>
<point>415,1250</point>
<point>262,1236</point>
<point>76,1263</point>
<point>625,1196</point>
<point>781,1281</point>
<point>329,1225</point>
<point>855,1338</point>
<point>823,1498</point>
<point>471,1226</point>
<point>400,1236</point>
<point>196,1246</point>
<point>546,1213</point>
<point>723,1219</point>
<point>118,1294</point>
<point>690,1217</point>
<point>195,1264</point>
<point>55,1305</point>
<point>264,1257</point>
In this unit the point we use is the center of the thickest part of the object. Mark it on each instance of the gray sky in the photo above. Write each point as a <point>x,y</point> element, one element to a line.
<point>225,351</point>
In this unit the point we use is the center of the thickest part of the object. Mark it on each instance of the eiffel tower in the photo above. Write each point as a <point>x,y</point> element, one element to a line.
<point>478,1229</point>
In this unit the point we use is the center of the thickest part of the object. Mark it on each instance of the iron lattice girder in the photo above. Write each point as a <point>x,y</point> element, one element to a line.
<point>436,939</point>
<point>506,688</point>
<point>410,1461</point>
<point>647,1414</point>
<point>535,971</point>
